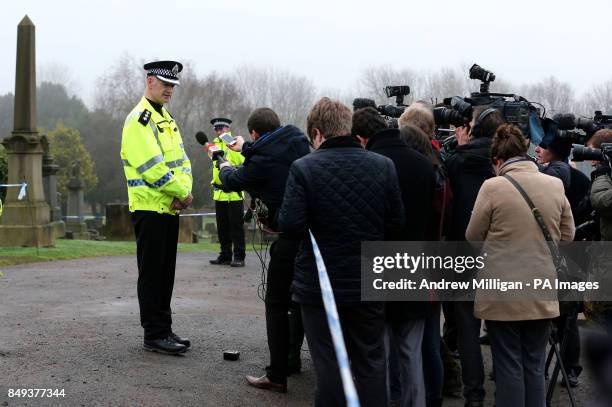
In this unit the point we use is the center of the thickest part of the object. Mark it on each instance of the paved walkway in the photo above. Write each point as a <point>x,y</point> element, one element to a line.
<point>74,325</point>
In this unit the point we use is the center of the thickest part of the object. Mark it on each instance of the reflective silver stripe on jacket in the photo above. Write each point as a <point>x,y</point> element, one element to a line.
<point>177,163</point>
<point>154,128</point>
<point>174,164</point>
<point>149,164</point>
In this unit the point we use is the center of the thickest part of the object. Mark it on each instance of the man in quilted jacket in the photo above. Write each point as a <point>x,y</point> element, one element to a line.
<point>344,195</point>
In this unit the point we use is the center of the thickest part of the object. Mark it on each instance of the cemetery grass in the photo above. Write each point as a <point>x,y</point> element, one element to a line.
<point>76,249</point>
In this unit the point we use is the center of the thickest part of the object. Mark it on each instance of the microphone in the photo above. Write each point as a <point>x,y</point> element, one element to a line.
<point>213,151</point>
<point>201,138</point>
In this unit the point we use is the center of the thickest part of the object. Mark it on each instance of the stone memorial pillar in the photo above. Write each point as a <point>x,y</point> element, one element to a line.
<point>25,222</point>
<point>75,219</point>
<point>50,170</point>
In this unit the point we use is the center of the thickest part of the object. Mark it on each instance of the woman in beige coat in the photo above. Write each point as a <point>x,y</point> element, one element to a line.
<point>519,327</point>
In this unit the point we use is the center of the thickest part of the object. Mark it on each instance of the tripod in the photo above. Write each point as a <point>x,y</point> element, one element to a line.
<point>558,353</point>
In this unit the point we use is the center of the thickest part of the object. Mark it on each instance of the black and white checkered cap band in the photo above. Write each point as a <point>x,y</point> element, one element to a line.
<point>165,75</point>
<point>221,124</point>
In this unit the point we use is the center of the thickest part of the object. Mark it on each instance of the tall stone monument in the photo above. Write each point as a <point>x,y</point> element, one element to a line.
<point>25,222</point>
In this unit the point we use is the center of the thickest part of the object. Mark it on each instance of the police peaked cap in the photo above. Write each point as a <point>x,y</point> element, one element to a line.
<point>165,71</point>
<point>221,122</point>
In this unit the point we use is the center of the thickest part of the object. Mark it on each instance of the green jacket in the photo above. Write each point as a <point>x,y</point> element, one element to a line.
<point>601,200</point>
<point>234,158</point>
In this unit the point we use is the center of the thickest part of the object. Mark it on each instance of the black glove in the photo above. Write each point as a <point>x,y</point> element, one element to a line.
<point>599,171</point>
<point>220,161</point>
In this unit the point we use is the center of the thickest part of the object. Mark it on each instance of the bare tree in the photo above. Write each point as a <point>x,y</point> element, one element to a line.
<point>446,82</point>
<point>598,97</point>
<point>118,91</point>
<point>374,80</point>
<point>58,73</point>
<point>555,95</point>
<point>289,95</point>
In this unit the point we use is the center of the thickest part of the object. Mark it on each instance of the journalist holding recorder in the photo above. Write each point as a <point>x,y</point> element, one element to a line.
<point>264,174</point>
<point>519,330</point>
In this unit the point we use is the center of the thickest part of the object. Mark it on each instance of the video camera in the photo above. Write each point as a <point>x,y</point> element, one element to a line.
<point>515,109</point>
<point>604,154</point>
<point>390,111</point>
<point>581,128</point>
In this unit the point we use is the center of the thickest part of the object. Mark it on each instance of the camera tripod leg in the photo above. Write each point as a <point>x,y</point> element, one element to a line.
<point>559,366</point>
<point>551,353</point>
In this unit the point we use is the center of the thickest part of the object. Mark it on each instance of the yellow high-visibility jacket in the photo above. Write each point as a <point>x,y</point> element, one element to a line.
<point>154,160</point>
<point>235,158</point>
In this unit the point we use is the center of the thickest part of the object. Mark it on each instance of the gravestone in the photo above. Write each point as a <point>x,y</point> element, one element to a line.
<point>75,219</point>
<point>50,170</point>
<point>118,222</point>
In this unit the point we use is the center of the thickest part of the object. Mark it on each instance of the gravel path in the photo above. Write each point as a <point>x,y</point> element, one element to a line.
<point>74,325</point>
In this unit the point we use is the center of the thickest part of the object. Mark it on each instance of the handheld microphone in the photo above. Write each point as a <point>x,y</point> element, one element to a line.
<point>210,148</point>
<point>201,138</point>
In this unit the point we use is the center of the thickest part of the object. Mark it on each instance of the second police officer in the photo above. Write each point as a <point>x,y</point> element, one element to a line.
<point>229,206</point>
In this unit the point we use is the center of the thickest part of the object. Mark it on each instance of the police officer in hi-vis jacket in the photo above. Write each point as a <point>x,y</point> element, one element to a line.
<point>159,180</point>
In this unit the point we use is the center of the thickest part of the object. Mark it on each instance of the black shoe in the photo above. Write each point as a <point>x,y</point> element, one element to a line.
<point>221,261</point>
<point>571,378</point>
<point>167,346</point>
<point>452,386</point>
<point>237,263</point>
<point>183,341</point>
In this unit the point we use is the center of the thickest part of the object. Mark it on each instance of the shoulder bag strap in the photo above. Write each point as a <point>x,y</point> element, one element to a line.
<point>554,250</point>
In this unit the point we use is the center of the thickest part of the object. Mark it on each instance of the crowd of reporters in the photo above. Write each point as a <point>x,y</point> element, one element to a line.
<point>362,180</point>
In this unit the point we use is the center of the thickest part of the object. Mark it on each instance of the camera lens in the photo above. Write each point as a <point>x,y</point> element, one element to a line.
<point>582,153</point>
<point>478,72</point>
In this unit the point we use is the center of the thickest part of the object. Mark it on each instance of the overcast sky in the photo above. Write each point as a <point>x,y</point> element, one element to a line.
<point>331,42</point>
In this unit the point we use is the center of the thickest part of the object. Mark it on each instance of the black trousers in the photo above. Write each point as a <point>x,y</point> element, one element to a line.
<point>363,327</point>
<point>230,221</point>
<point>470,354</point>
<point>156,240</point>
<point>283,317</point>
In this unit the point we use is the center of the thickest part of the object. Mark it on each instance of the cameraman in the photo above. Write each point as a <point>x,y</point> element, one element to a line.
<point>552,158</point>
<point>407,328</point>
<point>601,200</point>
<point>552,154</point>
<point>264,174</point>
<point>468,168</point>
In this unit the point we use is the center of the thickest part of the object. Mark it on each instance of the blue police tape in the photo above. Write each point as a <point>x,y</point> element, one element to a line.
<point>334,327</point>
<point>22,191</point>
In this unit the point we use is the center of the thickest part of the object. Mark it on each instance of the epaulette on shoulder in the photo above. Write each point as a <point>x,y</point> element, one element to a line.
<point>144,118</point>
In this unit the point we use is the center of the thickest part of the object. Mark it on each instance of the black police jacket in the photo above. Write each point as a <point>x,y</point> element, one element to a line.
<point>266,167</point>
<point>345,195</point>
<point>468,168</point>
<point>417,180</point>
